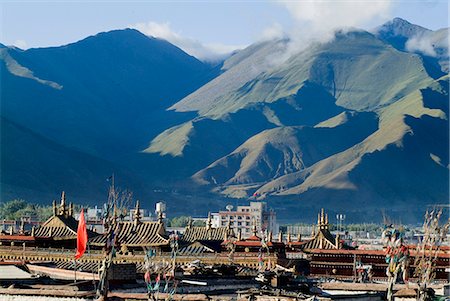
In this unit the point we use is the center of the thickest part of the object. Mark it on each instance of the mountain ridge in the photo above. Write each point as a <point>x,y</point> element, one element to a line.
<point>337,122</point>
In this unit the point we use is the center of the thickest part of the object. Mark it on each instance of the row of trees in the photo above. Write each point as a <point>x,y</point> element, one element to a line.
<point>182,221</point>
<point>15,209</point>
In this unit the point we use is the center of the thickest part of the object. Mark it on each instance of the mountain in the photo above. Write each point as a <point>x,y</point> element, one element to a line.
<point>97,94</point>
<point>327,118</point>
<point>362,118</point>
<point>36,168</point>
<point>405,36</point>
<point>398,31</point>
<point>100,98</point>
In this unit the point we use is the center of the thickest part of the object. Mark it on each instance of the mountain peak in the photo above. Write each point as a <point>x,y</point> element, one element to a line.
<point>400,28</point>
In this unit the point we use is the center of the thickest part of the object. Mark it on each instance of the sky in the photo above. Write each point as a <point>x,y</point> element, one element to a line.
<point>203,28</point>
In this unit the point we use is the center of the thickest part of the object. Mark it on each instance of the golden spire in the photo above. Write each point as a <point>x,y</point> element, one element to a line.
<point>62,208</point>
<point>239,236</point>
<point>55,209</point>
<point>70,209</point>
<point>137,213</point>
<point>270,236</point>
<point>209,221</point>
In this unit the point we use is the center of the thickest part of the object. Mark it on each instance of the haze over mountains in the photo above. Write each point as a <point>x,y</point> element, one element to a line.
<point>361,119</point>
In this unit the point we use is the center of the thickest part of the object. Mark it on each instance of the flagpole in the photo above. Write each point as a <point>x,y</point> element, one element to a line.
<point>75,280</point>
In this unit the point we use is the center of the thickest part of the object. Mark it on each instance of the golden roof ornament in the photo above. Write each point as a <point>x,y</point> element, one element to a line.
<point>55,209</point>
<point>71,211</point>
<point>62,207</point>
<point>209,221</point>
<point>137,213</point>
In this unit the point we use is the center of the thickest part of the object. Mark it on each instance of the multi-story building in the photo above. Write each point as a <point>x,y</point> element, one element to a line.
<point>244,217</point>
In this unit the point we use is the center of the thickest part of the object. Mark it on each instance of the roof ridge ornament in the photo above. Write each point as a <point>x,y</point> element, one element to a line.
<point>137,214</point>
<point>209,222</point>
<point>62,206</point>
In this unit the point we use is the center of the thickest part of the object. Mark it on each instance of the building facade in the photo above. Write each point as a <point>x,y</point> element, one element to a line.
<point>244,217</point>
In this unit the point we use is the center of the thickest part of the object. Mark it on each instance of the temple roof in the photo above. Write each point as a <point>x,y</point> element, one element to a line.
<point>322,239</point>
<point>131,234</point>
<point>59,227</point>
<point>192,234</point>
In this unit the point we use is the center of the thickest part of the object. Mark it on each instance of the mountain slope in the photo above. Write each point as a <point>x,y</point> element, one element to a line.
<point>363,117</point>
<point>114,80</point>
<point>38,169</point>
<point>104,97</point>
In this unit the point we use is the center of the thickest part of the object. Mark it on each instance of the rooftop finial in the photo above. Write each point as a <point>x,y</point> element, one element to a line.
<point>137,213</point>
<point>55,209</point>
<point>254,230</point>
<point>71,209</point>
<point>322,217</point>
<point>62,207</point>
<point>209,221</point>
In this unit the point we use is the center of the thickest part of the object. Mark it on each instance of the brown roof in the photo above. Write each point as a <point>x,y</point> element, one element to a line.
<point>192,234</point>
<point>60,227</point>
<point>322,240</point>
<point>143,234</point>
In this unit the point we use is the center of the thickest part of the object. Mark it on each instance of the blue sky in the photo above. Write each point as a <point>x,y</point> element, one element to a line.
<point>215,25</point>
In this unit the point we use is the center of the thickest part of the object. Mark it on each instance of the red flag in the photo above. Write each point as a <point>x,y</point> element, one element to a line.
<point>82,236</point>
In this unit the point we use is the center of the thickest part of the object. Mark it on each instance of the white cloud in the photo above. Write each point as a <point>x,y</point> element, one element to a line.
<point>324,16</point>
<point>206,52</point>
<point>275,31</point>
<point>428,42</point>
<point>22,44</point>
<point>317,20</point>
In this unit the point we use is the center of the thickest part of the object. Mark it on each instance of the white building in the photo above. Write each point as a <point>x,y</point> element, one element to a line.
<point>245,216</point>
